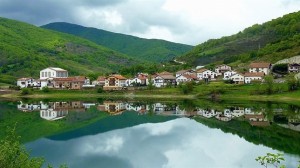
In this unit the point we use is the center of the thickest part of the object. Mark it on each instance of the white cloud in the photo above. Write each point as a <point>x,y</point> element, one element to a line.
<point>184,21</point>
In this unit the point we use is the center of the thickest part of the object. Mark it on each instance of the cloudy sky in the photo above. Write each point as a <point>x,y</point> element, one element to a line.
<point>174,144</point>
<point>183,21</point>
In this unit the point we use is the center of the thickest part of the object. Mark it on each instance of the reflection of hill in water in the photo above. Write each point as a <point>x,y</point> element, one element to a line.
<point>274,136</point>
<point>125,120</point>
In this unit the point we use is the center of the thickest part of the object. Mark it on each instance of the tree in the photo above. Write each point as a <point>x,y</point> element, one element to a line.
<point>269,81</point>
<point>12,154</point>
<point>150,83</point>
<point>292,82</point>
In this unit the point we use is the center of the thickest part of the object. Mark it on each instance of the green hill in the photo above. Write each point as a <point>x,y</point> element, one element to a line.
<point>26,49</point>
<point>144,49</point>
<point>271,41</point>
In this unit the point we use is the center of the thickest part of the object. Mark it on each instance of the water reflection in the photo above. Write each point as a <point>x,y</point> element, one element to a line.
<point>286,116</point>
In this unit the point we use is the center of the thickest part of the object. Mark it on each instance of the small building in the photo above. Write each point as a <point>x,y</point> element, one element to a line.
<point>228,74</point>
<point>53,72</point>
<point>238,78</point>
<point>221,69</point>
<point>185,72</point>
<point>100,81</point>
<point>205,74</point>
<point>264,67</point>
<point>186,78</point>
<point>140,80</point>
<point>164,79</point>
<point>258,76</point>
<point>74,83</point>
<point>28,82</point>
<point>294,68</point>
<point>115,82</point>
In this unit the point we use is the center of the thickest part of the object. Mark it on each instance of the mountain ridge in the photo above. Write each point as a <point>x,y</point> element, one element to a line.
<point>153,50</point>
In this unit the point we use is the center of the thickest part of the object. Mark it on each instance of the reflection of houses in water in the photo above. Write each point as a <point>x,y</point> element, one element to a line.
<point>25,107</point>
<point>59,110</point>
<point>140,108</point>
<point>163,109</point>
<point>222,117</point>
<point>113,108</point>
<point>257,120</point>
<point>207,113</point>
<point>50,114</point>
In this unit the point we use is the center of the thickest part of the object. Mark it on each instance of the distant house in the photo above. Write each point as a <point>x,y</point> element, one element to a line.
<point>115,82</point>
<point>221,69</point>
<point>294,68</point>
<point>205,73</point>
<point>74,83</point>
<point>28,82</point>
<point>53,72</point>
<point>238,78</point>
<point>164,79</point>
<point>100,81</point>
<point>140,80</point>
<point>185,72</point>
<point>228,74</point>
<point>113,107</point>
<point>186,78</point>
<point>264,67</point>
<point>258,76</point>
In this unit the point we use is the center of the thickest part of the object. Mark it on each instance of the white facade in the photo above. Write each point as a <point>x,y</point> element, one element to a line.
<point>228,74</point>
<point>222,69</point>
<point>264,70</point>
<point>158,81</point>
<point>206,74</point>
<point>248,79</point>
<point>28,82</point>
<point>237,78</point>
<point>53,73</point>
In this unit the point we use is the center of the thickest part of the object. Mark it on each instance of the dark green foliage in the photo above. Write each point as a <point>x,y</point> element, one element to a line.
<point>100,90</point>
<point>269,81</point>
<point>13,154</point>
<point>45,89</point>
<point>187,87</point>
<point>292,82</point>
<point>143,49</point>
<point>26,49</point>
<point>25,91</point>
<point>271,41</point>
<point>280,68</point>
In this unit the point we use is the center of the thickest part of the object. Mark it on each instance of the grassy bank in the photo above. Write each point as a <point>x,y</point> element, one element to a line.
<point>214,90</point>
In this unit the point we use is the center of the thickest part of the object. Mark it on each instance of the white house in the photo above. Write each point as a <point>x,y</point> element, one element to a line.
<point>238,78</point>
<point>205,73</point>
<point>53,72</point>
<point>52,115</point>
<point>294,68</point>
<point>163,79</point>
<point>228,74</point>
<point>254,77</point>
<point>221,69</point>
<point>185,72</point>
<point>260,67</point>
<point>186,78</point>
<point>25,82</point>
<point>115,82</point>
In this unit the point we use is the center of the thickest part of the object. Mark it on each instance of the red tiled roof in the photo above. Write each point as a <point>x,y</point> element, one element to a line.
<point>190,76</point>
<point>118,77</point>
<point>254,74</point>
<point>101,78</point>
<point>259,65</point>
<point>71,79</point>
<point>260,123</point>
<point>201,70</point>
<point>182,71</point>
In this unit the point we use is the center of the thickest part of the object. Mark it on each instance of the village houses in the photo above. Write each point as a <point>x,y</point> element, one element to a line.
<point>238,78</point>
<point>164,79</point>
<point>221,69</point>
<point>294,68</point>
<point>205,74</point>
<point>255,76</point>
<point>115,82</point>
<point>260,67</point>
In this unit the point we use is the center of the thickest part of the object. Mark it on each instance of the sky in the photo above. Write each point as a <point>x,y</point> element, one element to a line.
<point>183,21</point>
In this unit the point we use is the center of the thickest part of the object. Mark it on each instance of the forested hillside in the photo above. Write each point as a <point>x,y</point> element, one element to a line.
<point>271,41</point>
<point>26,49</point>
<point>143,49</point>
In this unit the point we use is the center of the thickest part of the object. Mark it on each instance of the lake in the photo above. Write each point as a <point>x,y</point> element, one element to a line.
<point>168,134</point>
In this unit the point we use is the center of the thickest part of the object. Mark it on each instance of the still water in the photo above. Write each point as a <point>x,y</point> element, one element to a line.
<point>129,134</point>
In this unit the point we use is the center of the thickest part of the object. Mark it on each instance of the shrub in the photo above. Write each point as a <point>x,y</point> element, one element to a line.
<point>100,90</point>
<point>25,91</point>
<point>45,89</point>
